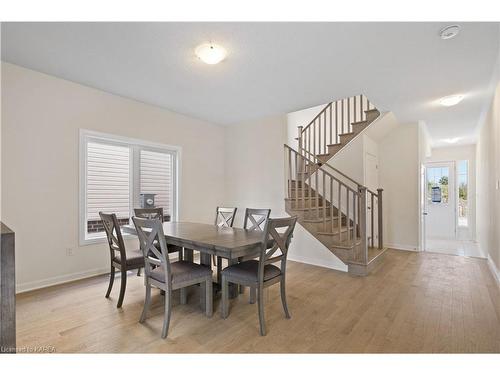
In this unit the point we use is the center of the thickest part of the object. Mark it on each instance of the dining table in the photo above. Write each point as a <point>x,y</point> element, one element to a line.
<point>228,243</point>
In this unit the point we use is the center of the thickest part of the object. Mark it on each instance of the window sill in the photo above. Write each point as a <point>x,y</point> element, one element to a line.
<point>98,239</point>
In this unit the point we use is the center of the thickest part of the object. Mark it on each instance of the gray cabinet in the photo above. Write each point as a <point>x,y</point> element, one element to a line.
<point>7,291</point>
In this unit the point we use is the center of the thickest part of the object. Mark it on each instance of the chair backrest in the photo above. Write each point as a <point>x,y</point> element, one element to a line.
<point>256,218</point>
<point>150,233</point>
<point>280,231</point>
<point>224,216</point>
<point>149,213</point>
<point>114,234</point>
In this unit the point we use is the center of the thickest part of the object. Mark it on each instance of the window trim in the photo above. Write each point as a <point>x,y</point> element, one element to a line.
<point>135,145</point>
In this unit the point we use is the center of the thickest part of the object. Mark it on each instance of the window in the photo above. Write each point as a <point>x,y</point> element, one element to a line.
<point>115,171</point>
<point>462,177</point>
<point>437,184</point>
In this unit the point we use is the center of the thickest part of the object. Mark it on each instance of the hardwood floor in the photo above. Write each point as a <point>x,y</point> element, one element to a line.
<point>413,302</point>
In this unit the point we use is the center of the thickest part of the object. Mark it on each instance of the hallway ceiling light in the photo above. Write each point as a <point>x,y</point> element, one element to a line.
<point>449,32</point>
<point>210,53</point>
<point>451,100</point>
<point>451,140</point>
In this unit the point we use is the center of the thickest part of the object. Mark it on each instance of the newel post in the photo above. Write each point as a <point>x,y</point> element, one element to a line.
<point>362,224</point>
<point>380,220</point>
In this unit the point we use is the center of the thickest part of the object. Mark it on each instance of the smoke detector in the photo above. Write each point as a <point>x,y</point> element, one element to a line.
<point>449,32</point>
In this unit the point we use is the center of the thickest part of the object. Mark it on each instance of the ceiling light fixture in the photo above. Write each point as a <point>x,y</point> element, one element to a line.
<point>451,140</point>
<point>451,100</point>
<point>210,53</point>
<point>449,32</point>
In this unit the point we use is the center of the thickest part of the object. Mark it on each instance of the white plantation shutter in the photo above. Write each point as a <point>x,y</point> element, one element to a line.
<point>108,180</point>
<point>156,178</point>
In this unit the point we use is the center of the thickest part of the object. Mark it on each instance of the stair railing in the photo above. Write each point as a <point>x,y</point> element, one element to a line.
<point>340,205</point>
<point>333,121</point>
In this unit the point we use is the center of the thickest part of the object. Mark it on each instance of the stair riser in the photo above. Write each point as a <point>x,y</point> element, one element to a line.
<point>306,192</point>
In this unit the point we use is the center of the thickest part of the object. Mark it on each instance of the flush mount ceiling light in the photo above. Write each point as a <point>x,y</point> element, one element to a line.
<point>451,100</point>
<point>449,32</point>
<point>451,140</point>
<point>210,53</point>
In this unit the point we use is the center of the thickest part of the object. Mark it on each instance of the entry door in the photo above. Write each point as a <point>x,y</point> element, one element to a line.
<point>440,201</point>
<point>371,182</point>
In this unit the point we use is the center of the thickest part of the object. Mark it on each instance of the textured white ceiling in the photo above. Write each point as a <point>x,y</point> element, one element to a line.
<point>272,67</point>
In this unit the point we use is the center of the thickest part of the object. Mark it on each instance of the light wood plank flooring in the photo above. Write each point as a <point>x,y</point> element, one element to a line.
<point>413,302</point>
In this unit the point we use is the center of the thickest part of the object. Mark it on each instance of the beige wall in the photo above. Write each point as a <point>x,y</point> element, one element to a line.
<point>41,118</point>
<point>488,183</point>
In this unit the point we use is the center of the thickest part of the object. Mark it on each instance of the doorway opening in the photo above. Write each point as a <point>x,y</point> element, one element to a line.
<point>445,201</point>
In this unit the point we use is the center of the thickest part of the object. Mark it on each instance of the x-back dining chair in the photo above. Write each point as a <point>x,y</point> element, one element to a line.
<point>121,259</point>
<point>157,213</point>
<point>149,213</point>
<point>165,275</point>
<point>224,218</point>
<point>255,219</point>
<point>262,273</point>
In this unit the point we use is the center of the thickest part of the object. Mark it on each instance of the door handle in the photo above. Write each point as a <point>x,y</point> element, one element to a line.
<point>424,213</point>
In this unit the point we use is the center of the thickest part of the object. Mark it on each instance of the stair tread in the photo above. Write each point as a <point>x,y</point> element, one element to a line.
<point>335,144</point>
<point>349,133</point>
<point>359,122</point>
<point>372,110</point>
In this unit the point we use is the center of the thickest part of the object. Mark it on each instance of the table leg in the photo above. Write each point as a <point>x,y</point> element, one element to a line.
<point>188,255</point>
<point>233,288</point>
<point>206,260</point>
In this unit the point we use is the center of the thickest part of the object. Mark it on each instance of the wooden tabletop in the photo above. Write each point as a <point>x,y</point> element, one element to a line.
<point>230,243</point>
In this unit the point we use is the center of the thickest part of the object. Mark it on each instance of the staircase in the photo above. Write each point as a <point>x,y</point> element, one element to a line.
<point>341,213</point>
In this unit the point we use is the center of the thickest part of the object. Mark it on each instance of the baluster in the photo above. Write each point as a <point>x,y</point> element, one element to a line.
<point>349,115</point>
<point>362,108</point>
<point>330,128</point>
<point>372,219</point>
<point>339,212</point>
<point>362,224</point>
<point>297,172</point>
<point>380,219</point>
<point>324,202</point>
<point>290,174</point>
<point>324,133</point>
<point>354,216</point>
<point>331,202</point>
<point>354,109</point>
<point>348,214</point>
<point>342,121</point>
<point>317,195</point>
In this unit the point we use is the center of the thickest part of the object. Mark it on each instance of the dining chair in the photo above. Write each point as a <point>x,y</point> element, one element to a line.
<point>255,219</point>
<point>157,213</point>
<point>224,218</point>
<point>121,259</point>
<point>165,275</point>
<point>262,273</point>
<point>149,213</point>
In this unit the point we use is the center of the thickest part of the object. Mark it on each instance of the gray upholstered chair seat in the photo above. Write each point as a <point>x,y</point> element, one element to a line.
<point>248,271</point>
<point>181,271</point>
<point>134,257</point>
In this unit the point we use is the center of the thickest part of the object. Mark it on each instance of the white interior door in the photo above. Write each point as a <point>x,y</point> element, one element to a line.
<point>371,182</point>
<point>440,222</point>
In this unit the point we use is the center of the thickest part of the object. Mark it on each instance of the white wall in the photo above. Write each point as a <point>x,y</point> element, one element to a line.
<point>41,118</point>
<point>399,162</point>
<point>488,184</point>
<point>455,154</point>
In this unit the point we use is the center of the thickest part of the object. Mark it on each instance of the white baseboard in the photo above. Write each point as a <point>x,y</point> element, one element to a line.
<point>56,280</point>
<point>396,246</point>
<point>313,262</point>
<point>494,270</point>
